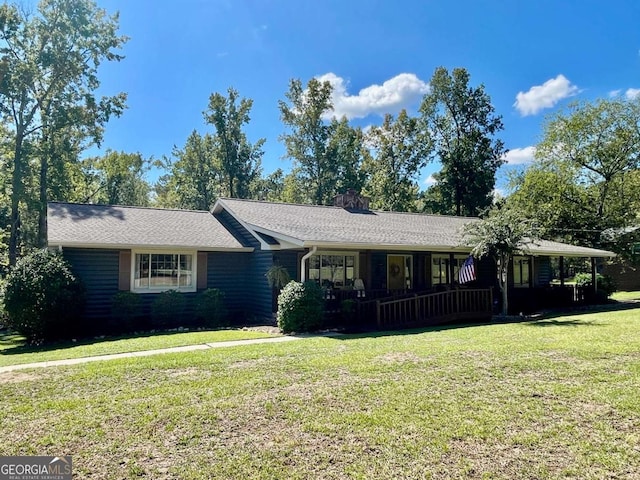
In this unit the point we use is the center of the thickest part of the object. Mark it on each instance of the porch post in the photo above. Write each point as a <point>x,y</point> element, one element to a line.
<point>561,271</point>
<point>594,277</point>
<point>451,270</point>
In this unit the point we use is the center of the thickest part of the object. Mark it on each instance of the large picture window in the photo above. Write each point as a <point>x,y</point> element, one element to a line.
<point>156,272</point>
<point>334,270</point>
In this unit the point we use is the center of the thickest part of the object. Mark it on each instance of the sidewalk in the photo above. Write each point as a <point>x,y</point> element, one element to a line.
<point>147,353</point>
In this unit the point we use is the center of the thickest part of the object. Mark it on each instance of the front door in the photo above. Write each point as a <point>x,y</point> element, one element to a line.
<point>399,272</point>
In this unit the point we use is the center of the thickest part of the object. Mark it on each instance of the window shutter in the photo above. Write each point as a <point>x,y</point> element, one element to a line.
<point>124,271</point>
<point>202,270</point>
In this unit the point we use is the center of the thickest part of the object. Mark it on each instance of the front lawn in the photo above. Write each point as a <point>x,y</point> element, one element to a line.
<point>554,398</point>
<point>626,296</point>
<point>14,350</point>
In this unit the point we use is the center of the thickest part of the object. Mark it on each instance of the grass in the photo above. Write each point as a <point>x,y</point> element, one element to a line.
<point>14,350</point>
<point>626,296</point>
<point>553,398</point>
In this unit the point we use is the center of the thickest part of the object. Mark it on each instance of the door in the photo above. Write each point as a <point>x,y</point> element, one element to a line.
<point>399,272</point>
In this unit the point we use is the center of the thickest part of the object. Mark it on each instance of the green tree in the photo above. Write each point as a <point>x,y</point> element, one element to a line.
<point>307,142</point>
<point>120,179</point>
<point>347,154</point>
<point>239,159</point>
<point>463,126</point>
<point>400,149</point>
<point>586,178</point>
<point>194,178</point>
<point>49,77</point>
<point>501,234</point>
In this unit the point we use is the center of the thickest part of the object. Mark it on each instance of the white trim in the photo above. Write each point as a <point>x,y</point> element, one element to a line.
<point>114,246</point>
<point>151,290</point>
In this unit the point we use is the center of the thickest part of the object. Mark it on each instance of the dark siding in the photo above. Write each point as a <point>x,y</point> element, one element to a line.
<point>542,271</point>
<point>378,270</point>
<point>289,259</point>
<point>229,272</point>
<point>98,270</point>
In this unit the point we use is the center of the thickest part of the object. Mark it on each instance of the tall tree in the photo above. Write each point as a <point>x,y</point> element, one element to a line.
<point>309,135</point>
<point>239,159</point>
<point>400,149</point>
<point>585,180</point>
<point>195,176</point>
<point>463,124</point>
<point>347,154</point>
<point>49,77</point>
<point>119,179</point>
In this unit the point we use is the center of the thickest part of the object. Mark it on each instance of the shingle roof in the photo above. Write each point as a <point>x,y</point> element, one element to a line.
<point>72,224</point>
<point>312,224</point>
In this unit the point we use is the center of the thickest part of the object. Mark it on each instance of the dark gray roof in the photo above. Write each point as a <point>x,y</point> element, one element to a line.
<point>309,225</point>
<point>83,225</point>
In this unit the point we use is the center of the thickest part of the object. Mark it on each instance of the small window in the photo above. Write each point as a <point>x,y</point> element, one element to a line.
<point>157,272</point>
<point>440,268</point>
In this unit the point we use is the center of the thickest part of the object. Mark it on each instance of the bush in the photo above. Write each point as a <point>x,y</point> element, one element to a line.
<point>604,282</point>
<point>43,300</point>
<point>168,309</point>
<point>126,311</point>
<point>300,307</point>
<point>606,287</point>
<point>209,308</point>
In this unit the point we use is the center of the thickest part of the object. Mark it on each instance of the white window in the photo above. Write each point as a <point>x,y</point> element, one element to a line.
<point>521,272</point>
<point>335,270</point>
<point>440,274</point>
<point>160,271</point>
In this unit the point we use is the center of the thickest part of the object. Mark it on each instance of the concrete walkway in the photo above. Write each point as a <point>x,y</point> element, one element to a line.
<point>147,353</point>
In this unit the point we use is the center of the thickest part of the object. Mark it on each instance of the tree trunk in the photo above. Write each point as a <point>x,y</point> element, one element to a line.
<point>42,207</point>
<point>16,190</point>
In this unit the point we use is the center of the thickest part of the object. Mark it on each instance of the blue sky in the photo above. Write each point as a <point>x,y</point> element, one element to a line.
<point>533,58</point>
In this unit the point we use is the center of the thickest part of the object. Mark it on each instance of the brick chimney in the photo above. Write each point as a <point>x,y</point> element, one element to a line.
<point>351,200</point>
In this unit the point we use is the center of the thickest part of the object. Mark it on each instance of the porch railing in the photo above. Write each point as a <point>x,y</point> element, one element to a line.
<point>434,308</point>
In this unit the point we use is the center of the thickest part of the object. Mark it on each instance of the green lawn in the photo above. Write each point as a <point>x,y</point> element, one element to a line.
<point>14,351</point>
<point>626,296</point>
<point>555,398</point>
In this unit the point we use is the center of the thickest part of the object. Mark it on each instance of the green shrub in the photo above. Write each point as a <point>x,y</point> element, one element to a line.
<point>300,307</point>
<point>167,310</point>
<point>43,299</point>
<point>605,283</point>
<point>126,312</point>
<point>209,308</point>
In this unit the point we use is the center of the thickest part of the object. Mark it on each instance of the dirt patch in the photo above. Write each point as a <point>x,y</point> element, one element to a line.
<point>399,357</point>
<point>270,329</point>
<point>15,377</point>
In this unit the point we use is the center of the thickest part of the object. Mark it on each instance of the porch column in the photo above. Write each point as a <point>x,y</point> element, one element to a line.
<point>561,271</point>
<point>451,269</point>
<point>594,278</point>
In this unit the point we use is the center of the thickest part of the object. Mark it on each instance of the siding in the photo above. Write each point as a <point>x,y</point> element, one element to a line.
<point>245,284</point>
<point>98,270</point>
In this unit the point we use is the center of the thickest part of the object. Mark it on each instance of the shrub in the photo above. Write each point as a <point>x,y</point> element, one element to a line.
<point>606,286</point>
<point>126,311</point>
<point>209,308</point>
<point>300,307</point>
<point>43,299</point>
<point>167,309</point>
<point>604,282</point>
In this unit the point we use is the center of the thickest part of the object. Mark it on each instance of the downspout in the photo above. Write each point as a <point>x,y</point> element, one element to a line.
<point>303,263</point>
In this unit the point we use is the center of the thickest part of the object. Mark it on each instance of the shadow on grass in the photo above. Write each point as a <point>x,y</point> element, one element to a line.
<point>555,318</point>
<point>13,344</point>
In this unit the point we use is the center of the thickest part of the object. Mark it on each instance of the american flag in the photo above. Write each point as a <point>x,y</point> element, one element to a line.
<point>467,271</point>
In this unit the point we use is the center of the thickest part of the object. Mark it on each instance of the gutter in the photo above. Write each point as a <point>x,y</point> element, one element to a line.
<point>303,263</point>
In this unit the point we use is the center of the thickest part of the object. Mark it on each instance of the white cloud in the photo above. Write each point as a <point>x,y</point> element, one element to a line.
<point>430,180</point>
<point>498,194</point>
<point>392,96</point>
<point>544,96</point>
<point>632,93</point>
<point>614,93</point>
<point>520,156</point>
